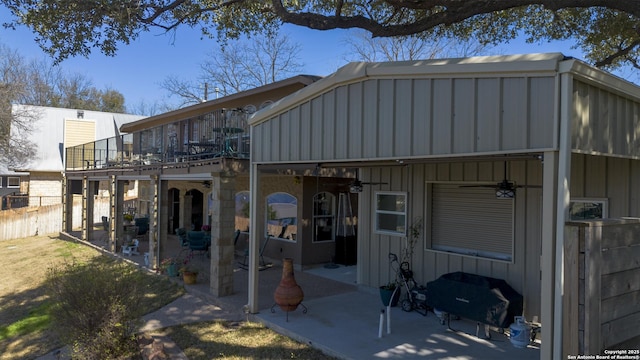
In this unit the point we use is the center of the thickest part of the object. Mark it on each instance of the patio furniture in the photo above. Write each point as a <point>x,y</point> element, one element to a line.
<point>262,265</point>
<point>142,223</point>
<point>479,298</point>
<point>182,236</point>
<point>198,241</point>
<point>131,249</point>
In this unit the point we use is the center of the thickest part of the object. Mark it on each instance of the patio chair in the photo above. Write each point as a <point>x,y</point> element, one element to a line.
<point>142,223</point>
<point>198,241</point>
<point>182,236</point>
<point>262,265</point>
<point>131,249</point>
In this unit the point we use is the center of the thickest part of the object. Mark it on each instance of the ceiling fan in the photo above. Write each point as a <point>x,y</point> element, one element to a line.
<point>505,189</point>
<point>356,185</point>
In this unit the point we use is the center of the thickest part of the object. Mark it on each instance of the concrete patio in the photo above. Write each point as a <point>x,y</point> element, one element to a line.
<point>343,319</point>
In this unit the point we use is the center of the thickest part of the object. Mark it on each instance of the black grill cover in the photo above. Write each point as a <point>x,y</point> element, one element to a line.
<point>487,300</point>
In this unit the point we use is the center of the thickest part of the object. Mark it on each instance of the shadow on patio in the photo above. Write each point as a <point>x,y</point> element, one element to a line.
<point>344,319</point>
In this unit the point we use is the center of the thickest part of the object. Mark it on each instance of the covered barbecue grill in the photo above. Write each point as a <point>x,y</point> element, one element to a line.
<point>483,299</point>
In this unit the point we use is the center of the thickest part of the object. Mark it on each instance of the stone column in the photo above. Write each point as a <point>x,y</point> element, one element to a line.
<point>222,229</point>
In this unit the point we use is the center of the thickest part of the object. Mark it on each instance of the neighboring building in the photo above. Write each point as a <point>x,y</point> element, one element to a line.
<point>12,184</point>
<point>506,159</point>
<point>56,129</point>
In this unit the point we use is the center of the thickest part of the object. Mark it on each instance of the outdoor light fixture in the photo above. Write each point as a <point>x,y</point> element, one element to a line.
<point>356,186</point>
<point>505,193</point>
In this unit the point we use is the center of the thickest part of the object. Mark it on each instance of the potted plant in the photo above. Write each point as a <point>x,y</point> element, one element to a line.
<point>188,271</point>
<point>169,266</point>
<point>128,218</point>
<point>390,294</point>
<point>413,234</point>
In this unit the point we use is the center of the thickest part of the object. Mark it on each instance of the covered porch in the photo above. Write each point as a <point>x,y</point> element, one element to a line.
<point>343,319</point>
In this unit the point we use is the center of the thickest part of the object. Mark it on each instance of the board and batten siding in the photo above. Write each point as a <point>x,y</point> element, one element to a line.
<point>523,273</point>
<point>414,117</point>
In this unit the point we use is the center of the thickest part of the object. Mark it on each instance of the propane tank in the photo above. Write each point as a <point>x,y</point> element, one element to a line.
<point>519,332</point>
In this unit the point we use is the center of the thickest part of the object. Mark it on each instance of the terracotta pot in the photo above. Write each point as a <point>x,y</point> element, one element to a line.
<point>288,294</point>
<point>189,277</point>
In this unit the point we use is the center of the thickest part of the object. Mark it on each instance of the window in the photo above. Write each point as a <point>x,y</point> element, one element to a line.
<point>391,213</point>
<point>282,216</point>
<point>13,182</point>
<point>587,209</point>
<point>324,217</point>
<point>243,210</point>
<point>469,221</point>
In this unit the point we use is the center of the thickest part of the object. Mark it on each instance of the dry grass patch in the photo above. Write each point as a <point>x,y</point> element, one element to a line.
<point>233,340</point>
<point>25,325</point>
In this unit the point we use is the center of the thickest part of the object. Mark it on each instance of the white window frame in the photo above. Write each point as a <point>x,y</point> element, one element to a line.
<point>266,218</point>
<point>602,201</point>
<point>331,216</point>
<point>9,182</point>
<point>464,251</point>
<point>388,212</point>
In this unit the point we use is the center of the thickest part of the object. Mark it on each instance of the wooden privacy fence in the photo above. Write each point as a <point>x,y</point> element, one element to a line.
<point>601,285</point>
<point>44,220</point>
<point>30,221</point>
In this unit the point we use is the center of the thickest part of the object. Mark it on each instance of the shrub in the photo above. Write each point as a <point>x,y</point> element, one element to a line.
<point>96,309</point>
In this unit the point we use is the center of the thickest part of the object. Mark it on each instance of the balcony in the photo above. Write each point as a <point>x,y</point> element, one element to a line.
<point>207,137</point>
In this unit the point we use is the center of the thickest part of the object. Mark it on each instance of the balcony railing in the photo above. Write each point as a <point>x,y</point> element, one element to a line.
<point>221,133</point>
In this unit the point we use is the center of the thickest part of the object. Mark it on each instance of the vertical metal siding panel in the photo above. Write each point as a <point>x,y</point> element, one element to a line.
<point>518,172</point>
<point>442,107</point>
<point>542,99</point>
<point>369,245</point>
<point>618,186</point>
<point>532,242</point>
<point>464,129</point>
<point>514,114</point>
<point>341,123</point>
<point>328,126</point>
<point>274,141</point>
<point>266,139</point>
<point>620,139</point>
<point>488,115</point>
<point>634,195</point>
<point>316,137</point>
<point>284,144</point>
<point>596,120</point>
<point>581,131</point>
<point>294,134</point>
<point>256,137</point>
<point>635,126</point>
<point>577,175</point>
<point>403,139</point>
<point>595,179</point>
<point>355,121</point>
<point>421,119</point>
<point>386,122</point>
<point>370,119</point>
<point>305,131</point>
<point>486,171</point>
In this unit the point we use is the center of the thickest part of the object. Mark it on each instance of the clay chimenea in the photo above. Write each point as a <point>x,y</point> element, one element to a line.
<point>288,294</point>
